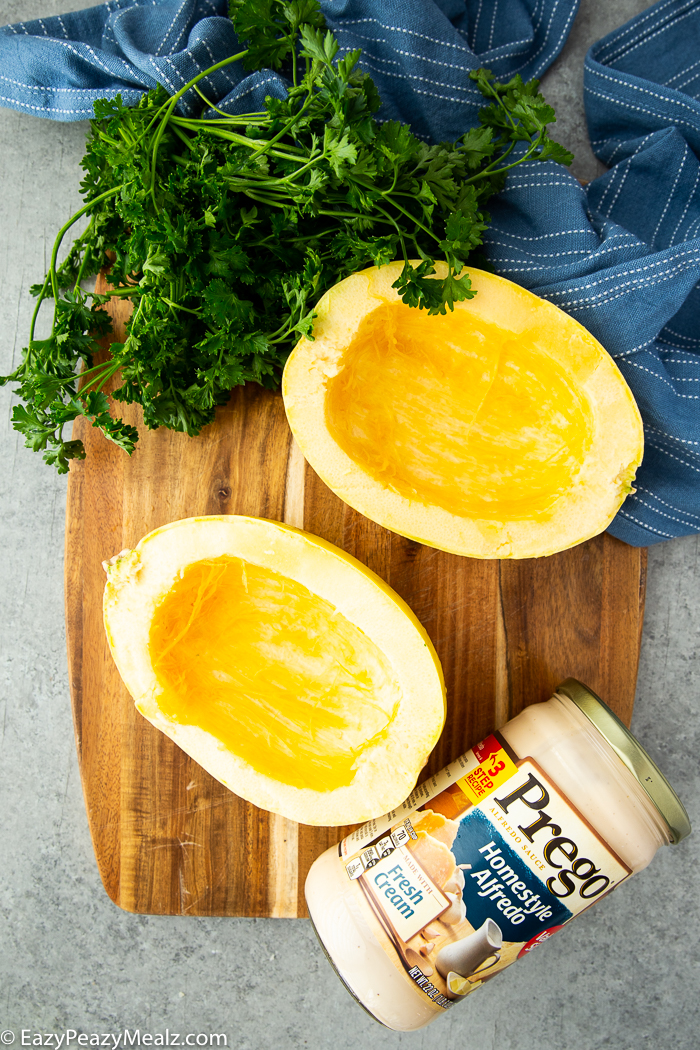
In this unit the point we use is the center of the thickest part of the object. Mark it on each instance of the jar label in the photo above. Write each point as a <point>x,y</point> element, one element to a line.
<point>482,861</point>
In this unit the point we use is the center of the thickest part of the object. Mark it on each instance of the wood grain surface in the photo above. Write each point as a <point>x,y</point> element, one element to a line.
<point>168,838</point>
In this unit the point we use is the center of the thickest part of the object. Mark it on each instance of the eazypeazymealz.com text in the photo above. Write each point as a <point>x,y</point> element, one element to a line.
<point>122,1040</point>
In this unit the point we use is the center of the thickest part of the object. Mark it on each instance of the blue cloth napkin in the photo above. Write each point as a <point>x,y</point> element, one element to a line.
<point>621,255</point>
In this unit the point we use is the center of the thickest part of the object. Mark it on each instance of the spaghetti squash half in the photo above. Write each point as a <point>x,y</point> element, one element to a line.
<point>500,430</point>
<point>286,668</point>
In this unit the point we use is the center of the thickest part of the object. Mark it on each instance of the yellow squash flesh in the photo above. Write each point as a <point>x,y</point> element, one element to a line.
<point>500,430</point>
<point>287,669</point>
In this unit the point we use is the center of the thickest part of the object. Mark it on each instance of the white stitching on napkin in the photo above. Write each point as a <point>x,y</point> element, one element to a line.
<point>660,448</point>
<point>679,335</point>
<point>408,32</point>
<point>176,70</point>
<point>64,43</point>
<point>213,62</point>
<point>532,185</point>
<point>624,176</point>
<point>625,353</point>
<point>470,88</point>
<point>558,44</point>
<point>47,109</point>
<point>418,91</point>
<point>619,145</point>
<point>686,397</point>
<point>673,20</point>
<point>685,338</point>
<point>539,237</point>
<point>637,32</point>
<point>529,269</point>
<point>635,29</point>
<point>413,54</point>
<point>646,91</point>
<point>682,73</point>
<point>688,236</point>
<point>688,202</point>
<point>544,255</point>
<point>543,266</point>
<point>169,30</point>
<point>33,87</point>
<point>251,89</point>
<point>649,528</point>
<point>162,73</point>
<point>640,109</point>
<point>655,510</point>
<point>683,441</point>
<point>641,488</point>
<point>647,264</point>
<point>671,195</point>
<point>493,24</point>
<point>476,24</point>
<point>596,251</point>
<point>594,301</point>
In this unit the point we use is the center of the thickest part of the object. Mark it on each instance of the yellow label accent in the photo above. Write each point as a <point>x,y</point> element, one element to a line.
<point>495,768</point>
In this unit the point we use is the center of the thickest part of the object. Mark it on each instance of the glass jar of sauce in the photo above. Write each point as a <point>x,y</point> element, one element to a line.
<point>490,857</point>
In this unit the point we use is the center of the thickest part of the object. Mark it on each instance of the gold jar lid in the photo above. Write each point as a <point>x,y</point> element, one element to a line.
<point>631,752</point>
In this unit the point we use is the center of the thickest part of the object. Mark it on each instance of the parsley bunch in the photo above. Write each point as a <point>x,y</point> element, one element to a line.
<point>224,232</point>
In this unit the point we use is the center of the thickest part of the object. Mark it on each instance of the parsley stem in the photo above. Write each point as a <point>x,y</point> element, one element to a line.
<point>338,214</point>
<point>413,219</point>
<point>39,301</point>
<point>88,371</point>
<point>54,254</point>
<point>113,366</point>
<point>369,186</point>
<point>81,269</point>
<point>183,138</point>
<point>107,139</point>
<point>64,230</point>
<point>263,200</point>
<point>496,94</point>
<point>210,104</point>
<point>179,306</point>
<point>488,170</point>
<point>520,160</point>
<point>170,106</point>
<point>231,136</point>
<point>66,380</point>
<point>400,234</point>
<point>290,124</point>
<point>229,119</point>
<point>291,178</point>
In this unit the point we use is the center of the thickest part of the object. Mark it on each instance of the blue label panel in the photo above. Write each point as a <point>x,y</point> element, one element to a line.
<point>499,885</point>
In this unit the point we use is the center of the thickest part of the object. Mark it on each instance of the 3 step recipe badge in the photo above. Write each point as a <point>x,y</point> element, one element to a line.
<point>480,865</point>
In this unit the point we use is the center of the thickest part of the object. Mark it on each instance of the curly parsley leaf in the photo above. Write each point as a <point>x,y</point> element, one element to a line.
<point>224,233</point>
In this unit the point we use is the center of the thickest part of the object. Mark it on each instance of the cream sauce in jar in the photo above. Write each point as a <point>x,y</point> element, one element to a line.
<point>490,857</point>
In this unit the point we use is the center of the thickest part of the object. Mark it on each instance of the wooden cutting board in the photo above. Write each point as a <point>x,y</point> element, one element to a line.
<point>171,840</point>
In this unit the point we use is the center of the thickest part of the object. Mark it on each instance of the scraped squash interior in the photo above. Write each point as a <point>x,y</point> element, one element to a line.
<point>252,656</point>
<point>457,412</point>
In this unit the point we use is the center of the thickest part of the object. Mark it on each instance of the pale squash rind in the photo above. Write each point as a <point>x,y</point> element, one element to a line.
<point>591,501</point>
<point>138,579</point>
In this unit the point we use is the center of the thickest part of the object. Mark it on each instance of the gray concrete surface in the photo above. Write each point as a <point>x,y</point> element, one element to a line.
<point>623,976</point>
